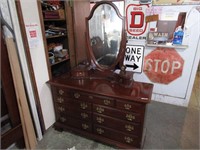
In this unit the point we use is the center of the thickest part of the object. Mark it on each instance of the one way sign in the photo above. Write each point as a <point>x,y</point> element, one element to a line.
<point>133,58</point>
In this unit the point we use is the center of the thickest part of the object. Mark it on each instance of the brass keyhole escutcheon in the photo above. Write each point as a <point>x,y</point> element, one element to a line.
<point>100,110</point>
<point>61,92</point>
<point>100,131</point>
<point>100,119</point>
<point>84,115</point>
<point>83,105</point>
<point>128,139</point>
<point>60,100</point>
<point>62,119</point>
<point>85,126</point>
<point>130,117</point>
<point>77,95</point>
<point>61,109</point>
<point>129,128</point>
<point>127,106</point>
<point>106,102</point>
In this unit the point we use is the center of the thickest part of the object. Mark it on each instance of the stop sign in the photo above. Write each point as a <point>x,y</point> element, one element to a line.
<point>163,65</point>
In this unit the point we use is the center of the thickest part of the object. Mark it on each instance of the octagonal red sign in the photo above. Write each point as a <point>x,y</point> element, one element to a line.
<point>163,65</point>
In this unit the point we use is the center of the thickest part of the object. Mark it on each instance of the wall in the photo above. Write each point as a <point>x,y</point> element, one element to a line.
<point>9,13</point>
<point>37,51</point>
<point>179,90</point>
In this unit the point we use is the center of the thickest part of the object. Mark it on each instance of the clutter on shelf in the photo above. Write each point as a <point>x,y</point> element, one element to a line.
<point>53,10</point>
<point>57,53</point>
<point>54,31</point>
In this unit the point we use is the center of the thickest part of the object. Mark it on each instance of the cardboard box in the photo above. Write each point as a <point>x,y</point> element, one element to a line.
<point>61,13</point>
<point>51,15</point>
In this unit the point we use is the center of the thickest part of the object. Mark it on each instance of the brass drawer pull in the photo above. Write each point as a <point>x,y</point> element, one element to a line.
<point>61,109</point>
<point>129,127</point>
<point>84,115</point>
<point>61,92</point>
<point>100,131</point>
<point>100,109</point>
<point>60,100</point>
<point>127,106</point>
<point>83,105</point>
<point>128,139</point>
<point>85,126</point>
<point>106,102</point>
<point>130,117</point>
<point>77,95</point>
<point>100,119</point>
<point>91,97</point>
<point>62,119</point>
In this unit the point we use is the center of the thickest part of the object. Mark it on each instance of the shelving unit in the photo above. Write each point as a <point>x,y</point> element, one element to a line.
<point>55,33</point>
<point>55,36</point>
<point>168,46</point>
<point>54,19</point>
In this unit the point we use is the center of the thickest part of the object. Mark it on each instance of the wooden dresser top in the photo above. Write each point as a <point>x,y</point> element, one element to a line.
<point>97,84</point>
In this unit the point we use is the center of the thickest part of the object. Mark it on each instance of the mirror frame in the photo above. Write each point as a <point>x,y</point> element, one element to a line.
<point>120,56</point>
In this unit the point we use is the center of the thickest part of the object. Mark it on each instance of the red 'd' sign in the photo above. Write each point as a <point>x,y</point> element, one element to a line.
<point>135,19</point>
<point>163,65</point>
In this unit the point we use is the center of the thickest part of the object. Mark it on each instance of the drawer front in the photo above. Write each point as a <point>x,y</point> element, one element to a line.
<point>83,125</point>
<point>130,106</point>
<point>124,126</point>
<point>80,114</point>
<point>77,95</point>
<point>118,136</point>
<point>125,115</point>
<point>103,100</point>
<point>79,105</point>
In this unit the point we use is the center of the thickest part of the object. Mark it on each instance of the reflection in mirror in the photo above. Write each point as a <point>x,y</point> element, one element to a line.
<point>105,31</point>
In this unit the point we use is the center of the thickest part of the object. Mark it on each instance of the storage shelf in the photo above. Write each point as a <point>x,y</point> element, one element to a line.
<point>55,36</point>
<point>168,46</point>
<point>57,62</point>
<point>54,19</point>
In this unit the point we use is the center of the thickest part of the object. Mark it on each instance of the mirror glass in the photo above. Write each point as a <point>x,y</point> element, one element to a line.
<point>105,32</point>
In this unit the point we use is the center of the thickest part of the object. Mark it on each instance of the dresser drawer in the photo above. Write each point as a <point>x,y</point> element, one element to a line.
<point>80,114</point>
<point>125,115</point>
<point>83,125</point>
<point>79,95</point>
<point>103,100</point>
<point>124,126</point>
<point>132,106</point>
<point>79,105</point>
<point>118,136</point>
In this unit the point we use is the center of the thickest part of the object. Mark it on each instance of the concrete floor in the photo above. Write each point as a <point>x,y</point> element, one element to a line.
<point>168,127</point>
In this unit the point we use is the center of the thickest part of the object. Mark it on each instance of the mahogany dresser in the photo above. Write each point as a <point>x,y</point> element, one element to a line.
<point>98,109</point>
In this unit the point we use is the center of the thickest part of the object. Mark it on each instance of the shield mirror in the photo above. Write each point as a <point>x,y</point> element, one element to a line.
<point>105,35</point>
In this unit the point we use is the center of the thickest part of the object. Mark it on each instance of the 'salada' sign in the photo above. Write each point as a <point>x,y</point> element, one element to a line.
<point>133,59</point>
